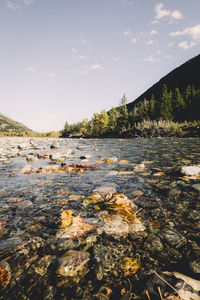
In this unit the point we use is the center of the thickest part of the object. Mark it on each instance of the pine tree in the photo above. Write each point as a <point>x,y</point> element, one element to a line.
<point>178,105</point>
<point>165,109</point>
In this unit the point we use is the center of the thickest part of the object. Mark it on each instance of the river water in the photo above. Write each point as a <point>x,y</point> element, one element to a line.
<point>40,260</point>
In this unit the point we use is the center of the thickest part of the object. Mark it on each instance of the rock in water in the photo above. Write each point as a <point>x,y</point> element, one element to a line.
<point>5,274</point>
<point>190,170</point>
<point>72,267</point>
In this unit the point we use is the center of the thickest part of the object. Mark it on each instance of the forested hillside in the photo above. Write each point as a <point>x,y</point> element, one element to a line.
<point>172,103</point>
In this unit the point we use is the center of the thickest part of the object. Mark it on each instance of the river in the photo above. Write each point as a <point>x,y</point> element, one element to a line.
<point>62,239</point>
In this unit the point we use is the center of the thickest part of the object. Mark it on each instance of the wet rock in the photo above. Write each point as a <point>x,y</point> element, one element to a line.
<point>72,266</point>
<point>86,156</point>
<point>153,244</point>
<point>105,190</point>
<point>77,228</point>
<point>130,266</point>
<point>111,160</point>
<point>23,146</point>
<point>42,264</point>
<point>190,170</point>
<point>8,245</point>
<point>27,169</point>
<point>54,145</point>
<point>195,266</point>
<point>115,225</point>
<point>196,186</point>
<point>5,274</point>
<point>87,165</point>
<point>48,169</point>
<point>24,204</point>
<point>30,157</point>
<point>170,283</point>
<point>173,237</point>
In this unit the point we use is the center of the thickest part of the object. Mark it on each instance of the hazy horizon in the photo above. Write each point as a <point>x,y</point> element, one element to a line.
<point>64,60</point>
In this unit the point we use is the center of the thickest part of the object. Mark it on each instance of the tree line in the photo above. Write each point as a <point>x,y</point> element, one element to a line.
<point>171,105</point>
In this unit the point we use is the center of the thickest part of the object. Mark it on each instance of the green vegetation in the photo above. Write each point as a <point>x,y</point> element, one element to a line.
<point>172,113</point>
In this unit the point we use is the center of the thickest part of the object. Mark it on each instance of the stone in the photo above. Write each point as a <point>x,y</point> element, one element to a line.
<point>195,266</point>
<point>86,156</point>
<point>27,169</point>
<point>72,267</point>
<point>54,145</point>
<point>30,157</point>
<point>5,274</point>
<point>190,170</point>
<point>77,229</point>
<point>173,237</point>
<point>8,245</point>
<point>105,190</point>
<point>196,186</point>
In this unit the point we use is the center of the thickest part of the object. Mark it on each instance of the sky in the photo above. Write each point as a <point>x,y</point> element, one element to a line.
<point>63,60</point>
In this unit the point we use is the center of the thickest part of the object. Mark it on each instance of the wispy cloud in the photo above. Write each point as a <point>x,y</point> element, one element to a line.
<point>116,58</point>
<point>153,32</point>
<point>150,42</point>
<point>51,75</point>
<point>170,44</point>
<point>11,5</point>
<point>161,13</point>
<point>127,32</point>
<point>28,2</point>
<point>30,69</point>
<point>150,58</point>
<point>74,50</point>
<point>191,32</point>
<point>97,67</point>
<point>133,40</point>
<point>81,57</point>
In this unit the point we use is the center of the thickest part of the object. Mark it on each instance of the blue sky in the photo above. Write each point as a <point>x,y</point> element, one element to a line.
<point>63,60</point>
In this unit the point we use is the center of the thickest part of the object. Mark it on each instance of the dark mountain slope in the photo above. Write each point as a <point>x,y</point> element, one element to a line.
<point>186,74</point>
<point>9,125</point>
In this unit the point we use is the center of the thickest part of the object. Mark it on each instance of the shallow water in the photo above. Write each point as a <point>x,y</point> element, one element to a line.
<point>165,202</point>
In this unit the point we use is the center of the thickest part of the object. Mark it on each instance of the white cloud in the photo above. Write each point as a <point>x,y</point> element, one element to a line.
<point>192,32</point>
<point>133,40</point>
<point>84,72</point>
<point>153,32</point>
<point>177,15</point>
<point>151,59</point>
<point>158,52</point>
<point>161,13</point>
<point>186,45</point>
<point>116,58</point>
<point>81,57</point>
<point>170,45</point>
<point>74,50</point>
<point>51,75</point>
<point>97,67</point>
<point>168,56</point>
<point>126,32</point>
<point>150,42</point>
<point>30,69</point>
<point>28,2</point>
<point>11,5</point>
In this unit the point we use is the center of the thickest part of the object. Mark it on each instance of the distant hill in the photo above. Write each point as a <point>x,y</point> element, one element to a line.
<point>186,74</point>
<point>9,125</point>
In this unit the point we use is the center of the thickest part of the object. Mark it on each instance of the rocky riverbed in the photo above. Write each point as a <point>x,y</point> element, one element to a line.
<point>99,219</point>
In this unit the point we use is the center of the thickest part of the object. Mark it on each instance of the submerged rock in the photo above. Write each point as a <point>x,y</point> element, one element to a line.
<point>190,170</point>
<point>74,227</point>
<point>5,274</point>
<point>105,190</point>
<point>72,267</point>
<point>27,169</point>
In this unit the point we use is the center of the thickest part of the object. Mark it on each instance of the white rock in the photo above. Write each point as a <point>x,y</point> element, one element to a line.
<point>190,170</point>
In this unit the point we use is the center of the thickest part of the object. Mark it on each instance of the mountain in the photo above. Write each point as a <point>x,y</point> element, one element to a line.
<point>186,74</point>
<point>9,125</point>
